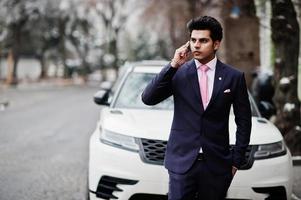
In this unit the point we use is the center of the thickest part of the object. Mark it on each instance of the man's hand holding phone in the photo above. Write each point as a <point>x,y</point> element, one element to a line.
<point>180,56</point>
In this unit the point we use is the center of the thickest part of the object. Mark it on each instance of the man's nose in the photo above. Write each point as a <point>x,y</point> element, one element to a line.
<point>197,44</point>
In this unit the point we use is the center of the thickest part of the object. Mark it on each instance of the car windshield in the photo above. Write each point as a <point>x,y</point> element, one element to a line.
<point>132,88</point>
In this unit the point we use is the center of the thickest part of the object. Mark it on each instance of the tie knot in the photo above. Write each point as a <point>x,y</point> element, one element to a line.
<point>204,68</point>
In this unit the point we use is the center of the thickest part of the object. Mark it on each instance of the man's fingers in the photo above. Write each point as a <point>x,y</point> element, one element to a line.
<point>180,55</point>
<point>187,44</point>
<point>182,51</point>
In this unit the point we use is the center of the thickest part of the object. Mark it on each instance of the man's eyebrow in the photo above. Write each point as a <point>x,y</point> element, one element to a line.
<point>202,38</point>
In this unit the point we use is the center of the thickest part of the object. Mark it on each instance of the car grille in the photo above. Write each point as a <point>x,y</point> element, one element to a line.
<point>153,152</point>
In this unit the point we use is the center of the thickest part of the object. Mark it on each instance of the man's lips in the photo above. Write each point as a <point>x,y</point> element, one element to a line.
<point>197,52</point>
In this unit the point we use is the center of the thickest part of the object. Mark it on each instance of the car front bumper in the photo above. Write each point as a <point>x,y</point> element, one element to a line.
<point>122,169</point>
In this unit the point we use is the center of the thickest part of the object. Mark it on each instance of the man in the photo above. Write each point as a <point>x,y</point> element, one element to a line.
<point>198,156</point>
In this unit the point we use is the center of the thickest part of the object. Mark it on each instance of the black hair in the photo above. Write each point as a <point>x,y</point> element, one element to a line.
<point>206,23</point>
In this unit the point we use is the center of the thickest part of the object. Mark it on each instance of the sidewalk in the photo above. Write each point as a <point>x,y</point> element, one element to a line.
<point>44,83</point>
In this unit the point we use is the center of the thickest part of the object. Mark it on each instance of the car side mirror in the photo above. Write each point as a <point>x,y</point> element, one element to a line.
<point>266,109</point>
<point>101,97</point>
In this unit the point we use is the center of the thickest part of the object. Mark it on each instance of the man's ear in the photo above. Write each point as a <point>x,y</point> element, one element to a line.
<point>216,45</point>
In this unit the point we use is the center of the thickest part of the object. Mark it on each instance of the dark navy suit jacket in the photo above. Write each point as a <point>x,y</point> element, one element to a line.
<point>193,127</point>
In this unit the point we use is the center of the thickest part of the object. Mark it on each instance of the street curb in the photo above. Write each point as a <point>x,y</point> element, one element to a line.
<point>50,82</point>
<point>296,160</point>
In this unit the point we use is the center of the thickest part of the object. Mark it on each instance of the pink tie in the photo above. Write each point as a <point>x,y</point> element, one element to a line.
<point>204,84</point>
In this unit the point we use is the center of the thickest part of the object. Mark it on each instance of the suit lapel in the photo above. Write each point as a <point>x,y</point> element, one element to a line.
<point>218,81</point>
<point>192,77</point>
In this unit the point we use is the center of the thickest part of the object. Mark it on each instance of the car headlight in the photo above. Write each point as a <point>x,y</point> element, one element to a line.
<point>270,150</point>
<point>119,140</point>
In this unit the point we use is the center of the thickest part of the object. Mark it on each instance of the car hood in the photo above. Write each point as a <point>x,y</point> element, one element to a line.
<point>151,124</point>
<point>155,124</point>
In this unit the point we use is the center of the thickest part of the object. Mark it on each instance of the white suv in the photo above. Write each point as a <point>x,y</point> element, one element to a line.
<point>128,145</point>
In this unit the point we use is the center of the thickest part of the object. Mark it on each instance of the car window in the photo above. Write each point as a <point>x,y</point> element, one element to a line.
<point>130,94</point>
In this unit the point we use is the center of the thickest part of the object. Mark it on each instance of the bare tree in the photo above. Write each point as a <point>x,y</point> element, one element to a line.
<point>45,35</point>
<point>114,15</point>
<point>172,16</point>
<point>285,36</point>
<point>170,19</point>
<point>14,15</point>
<point>80,33</point>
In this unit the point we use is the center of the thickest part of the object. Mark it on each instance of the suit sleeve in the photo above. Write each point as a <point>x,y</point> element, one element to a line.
<point>243,116</point>
<point>160,88</point>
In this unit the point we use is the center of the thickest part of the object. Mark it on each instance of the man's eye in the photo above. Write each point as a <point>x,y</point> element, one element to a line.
<point>203,40</point>
<point>193,40</point>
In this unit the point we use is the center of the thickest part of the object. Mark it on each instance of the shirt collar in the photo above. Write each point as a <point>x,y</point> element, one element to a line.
<point>211,64</point>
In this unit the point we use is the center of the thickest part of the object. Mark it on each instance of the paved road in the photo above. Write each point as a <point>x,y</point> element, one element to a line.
<point>297,183</point>
<point>44,142</point>
<point>44,136</point>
